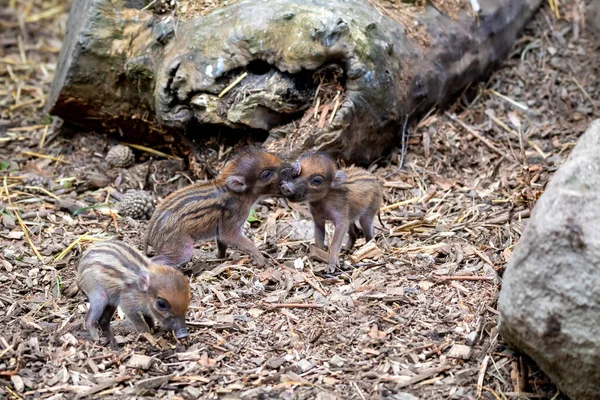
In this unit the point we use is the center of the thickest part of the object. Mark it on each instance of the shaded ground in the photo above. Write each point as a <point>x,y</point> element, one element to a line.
<point>456,207</point>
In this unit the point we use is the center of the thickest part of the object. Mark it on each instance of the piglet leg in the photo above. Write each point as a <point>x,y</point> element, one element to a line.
<point>336,244</point>
<point>352,235</point>
<point>237,239</point>
<point>137,320</point>
<point>319,233</point>
<point>177,254</point>
<point>104,323</point>
<point>366,223</point>
<point>221,249</point>
<point>98,302</point>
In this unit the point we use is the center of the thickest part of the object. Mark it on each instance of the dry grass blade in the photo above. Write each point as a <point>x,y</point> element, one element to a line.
<point>150,150</point>
<point>481,375</point>
<point>233,84</point>
<point>292,305</point>
<point>26,232</point>
<point>38,155</point>
<point>511,101</point>
<point>475,134</point>
<point>41,189</point>
<point>587,95</point>
<point>70,247</point>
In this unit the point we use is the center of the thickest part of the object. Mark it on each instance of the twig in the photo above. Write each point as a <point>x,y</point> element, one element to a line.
<point>41,189</point>
<point>292,305</point>
<point>25,128</point>
<point>335,106</point>
<point>150,150</point>
<point>511,101</point>
<point>58,159</point>
<point>44,136</point>
<point>584,92</point>
<point>517,134</point>
<point>149,5</point>
<point>13,393</point>
<point>102,386</point>
<point>404,142</point>
<point>484,364</point>
<point>362,396</point>
<point>315,286</point>
<point>69,247</point>
<point>232,85</point>
<point>462,278</point>
<point>401,203</point>
<point>35,250</point>
<point>5,351</point>
<point>418,378</point>
<point>483,257</point>
<point>475,134</point>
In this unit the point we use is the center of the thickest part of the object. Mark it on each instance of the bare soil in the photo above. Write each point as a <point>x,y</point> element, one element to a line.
<point>418,320</point>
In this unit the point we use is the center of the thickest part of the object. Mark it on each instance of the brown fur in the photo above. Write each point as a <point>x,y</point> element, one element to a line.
<point>343,196</point>
<point>214,209</point>
<point>113,274</point>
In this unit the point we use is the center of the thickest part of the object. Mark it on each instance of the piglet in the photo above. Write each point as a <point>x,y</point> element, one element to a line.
<point>342,196</point>
<point>214,209</point>
<point>113,274</point>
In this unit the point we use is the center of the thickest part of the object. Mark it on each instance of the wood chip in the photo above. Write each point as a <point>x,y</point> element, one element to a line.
<point>318,254</point>
<point>369,250</point>
<point>460,351</point>
<point>139,361</point>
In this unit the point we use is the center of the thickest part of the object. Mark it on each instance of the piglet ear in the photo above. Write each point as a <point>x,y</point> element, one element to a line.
<point>339,178</point>
<point>143,281</point>
<point>290,171</point>
<point>296,168</point>
<point>236,183</point>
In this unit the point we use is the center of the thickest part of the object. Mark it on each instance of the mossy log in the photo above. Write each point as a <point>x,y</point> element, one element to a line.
<point>123,66</point>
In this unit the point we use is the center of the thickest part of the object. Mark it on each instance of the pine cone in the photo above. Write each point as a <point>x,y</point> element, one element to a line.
<point>166,5</point>
<point>120,156</point>
<point>137,204</point>
<point>36,180</point>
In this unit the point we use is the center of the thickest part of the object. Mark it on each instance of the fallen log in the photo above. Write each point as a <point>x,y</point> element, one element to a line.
<point>341,76</point>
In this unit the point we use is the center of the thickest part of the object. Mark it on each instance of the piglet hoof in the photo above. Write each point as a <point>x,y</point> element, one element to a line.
<point>112,343</point>
<point>92,329</point>
<point>260,261</point>
<point>331,268</point>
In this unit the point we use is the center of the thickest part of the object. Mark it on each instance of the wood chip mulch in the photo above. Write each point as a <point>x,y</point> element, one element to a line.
<point>412,316</point>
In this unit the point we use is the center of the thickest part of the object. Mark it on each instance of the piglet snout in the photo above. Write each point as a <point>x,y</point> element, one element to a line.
<point>287,189</point>
<point>181,333</point>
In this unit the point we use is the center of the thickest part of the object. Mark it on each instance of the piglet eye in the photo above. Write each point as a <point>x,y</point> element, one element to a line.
<point>161,304</point>
<point>266,175</point>
<point>317,180</point>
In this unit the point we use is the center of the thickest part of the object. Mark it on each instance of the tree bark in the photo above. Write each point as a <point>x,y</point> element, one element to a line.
<point>123,67</point>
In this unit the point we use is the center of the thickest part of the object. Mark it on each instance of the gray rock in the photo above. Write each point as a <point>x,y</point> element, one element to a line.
<point>257,360</point>
<point>192,393</point>
<point>8,221</point>
<point>550,297</point>
<point>17,383</point>
<point>460,351</point>
<point>337,361</point>
<point>304,365</point>
<point>275,362</point>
